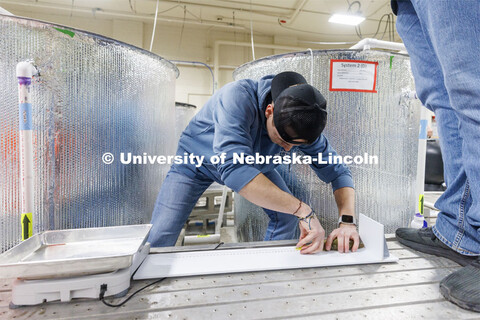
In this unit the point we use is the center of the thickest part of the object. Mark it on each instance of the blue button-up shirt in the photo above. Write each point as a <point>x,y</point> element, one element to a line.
<point>233,121</point>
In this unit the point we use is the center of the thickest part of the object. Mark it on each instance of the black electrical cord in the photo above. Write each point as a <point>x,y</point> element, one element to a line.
<point>387,25</point>
<point>351,4</point>
<point>218,246</point>
<point>103,289</point>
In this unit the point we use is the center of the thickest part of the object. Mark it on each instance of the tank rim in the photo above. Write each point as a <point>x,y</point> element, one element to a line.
<point>97,36</point>
<point>307,53</point>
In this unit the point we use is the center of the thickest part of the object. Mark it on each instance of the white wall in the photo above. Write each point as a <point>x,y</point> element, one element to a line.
<point>194,43</point>
<point>128,31</point>
<point>195,82</point>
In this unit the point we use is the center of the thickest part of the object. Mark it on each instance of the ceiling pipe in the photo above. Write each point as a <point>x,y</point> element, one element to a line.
<point>241,7</point>
<point>120,14</point>
<point>289,21</point>
<point>369,43</point>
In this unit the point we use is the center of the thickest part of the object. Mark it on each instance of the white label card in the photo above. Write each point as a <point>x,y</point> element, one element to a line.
<point>353,75</point>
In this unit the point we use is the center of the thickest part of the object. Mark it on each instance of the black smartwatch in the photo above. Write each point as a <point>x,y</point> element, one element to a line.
<point>346,219</point>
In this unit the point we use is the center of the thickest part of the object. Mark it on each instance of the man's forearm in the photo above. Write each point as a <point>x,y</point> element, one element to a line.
<point>345,199</point>
<point>264,193</point>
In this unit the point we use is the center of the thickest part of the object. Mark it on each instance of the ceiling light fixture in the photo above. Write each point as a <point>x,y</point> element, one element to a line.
<point>348,19</point>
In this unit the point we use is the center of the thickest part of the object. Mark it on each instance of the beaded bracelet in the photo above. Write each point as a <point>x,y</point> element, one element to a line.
<point>309,217</point>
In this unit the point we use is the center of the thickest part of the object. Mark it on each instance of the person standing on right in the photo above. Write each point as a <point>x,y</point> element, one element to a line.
<point>442,38</point>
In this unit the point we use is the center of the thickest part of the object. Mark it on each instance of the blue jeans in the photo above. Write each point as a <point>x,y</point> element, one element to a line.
<point>178,196</point>
<point>442,38</point>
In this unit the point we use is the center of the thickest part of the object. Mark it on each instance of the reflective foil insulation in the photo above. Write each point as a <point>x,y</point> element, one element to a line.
<point>94,95</point>
<point>184,112</point>
<point>384,124</point>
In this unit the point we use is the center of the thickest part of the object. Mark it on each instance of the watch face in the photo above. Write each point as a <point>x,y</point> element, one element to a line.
<point>347,219</point>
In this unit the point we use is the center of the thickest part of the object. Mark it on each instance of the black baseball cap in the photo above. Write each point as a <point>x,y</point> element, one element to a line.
<point>300,110</point>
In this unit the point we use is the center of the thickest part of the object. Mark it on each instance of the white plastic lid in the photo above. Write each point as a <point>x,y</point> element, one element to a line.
<point>26,69</point>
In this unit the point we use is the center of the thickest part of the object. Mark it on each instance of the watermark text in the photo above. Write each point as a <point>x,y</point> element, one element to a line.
<point>242,158</point>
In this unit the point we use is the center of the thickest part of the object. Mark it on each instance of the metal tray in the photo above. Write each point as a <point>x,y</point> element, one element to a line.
<point>74,252</point>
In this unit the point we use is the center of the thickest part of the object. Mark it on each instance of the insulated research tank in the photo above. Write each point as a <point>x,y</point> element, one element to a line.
<point>94,95</point>
<point>369,112</point>
<point>184,112</point>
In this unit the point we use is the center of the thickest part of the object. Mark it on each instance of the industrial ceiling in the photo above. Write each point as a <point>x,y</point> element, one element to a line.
<point>305,20</point>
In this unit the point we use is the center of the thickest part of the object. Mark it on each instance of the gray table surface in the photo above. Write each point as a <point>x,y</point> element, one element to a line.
<point>404,290</point>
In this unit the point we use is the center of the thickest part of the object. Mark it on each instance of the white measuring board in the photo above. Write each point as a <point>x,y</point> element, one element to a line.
<point>178,264</point>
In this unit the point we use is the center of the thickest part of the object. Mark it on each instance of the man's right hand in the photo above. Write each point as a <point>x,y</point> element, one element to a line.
<point>312,234</point>
<point>264,193</point>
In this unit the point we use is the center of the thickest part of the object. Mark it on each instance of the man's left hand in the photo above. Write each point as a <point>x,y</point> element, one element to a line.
<point>343,234</point>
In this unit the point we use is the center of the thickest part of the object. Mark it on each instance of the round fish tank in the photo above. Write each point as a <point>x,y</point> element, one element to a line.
<point>184,112</point>
<point>94,95</point>
<point>380,121</point>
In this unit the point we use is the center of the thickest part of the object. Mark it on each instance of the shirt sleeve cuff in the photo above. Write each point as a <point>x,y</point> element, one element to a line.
<point>345,180</point>
<point>240,177</point>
